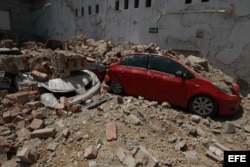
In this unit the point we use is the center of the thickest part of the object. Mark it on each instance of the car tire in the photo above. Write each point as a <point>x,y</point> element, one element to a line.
<point>116,87</point>
<point>203,105</point>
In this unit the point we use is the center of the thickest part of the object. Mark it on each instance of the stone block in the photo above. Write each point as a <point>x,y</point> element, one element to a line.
<point>33,105</point>
<point>37,114</point>
<point>65,101</point>
<point>24,155</point>
<point>90,152</point>
<point>126,158</point>
<point>214,157</point>
<point>43,133</point>
<point>7,117</point>
<point>18,97</point>
<point>111,131</point>
<point>21,124</point>
<point>133,119</point>
<point>28,155</point>
<point>15,111</point>
<point>144,157</point>
<point>36,124</point>
<point>39,76</point>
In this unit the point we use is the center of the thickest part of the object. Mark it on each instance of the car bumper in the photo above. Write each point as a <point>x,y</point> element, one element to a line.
<point>229,105</point>
<point>107,79</point>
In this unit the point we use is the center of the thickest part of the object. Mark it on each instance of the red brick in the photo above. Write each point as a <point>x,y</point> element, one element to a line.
<point>37,114</point>
<point>3,93</point>
<point>15,111</point>
<point>59,106</point>
<point>7,117</point>
<point>33,105</point>
<point>62,113</point>
<point>90,152</point>
<point>7,103</point>
<point>43,133</point>
<point>111,131</point>
<point>19,97</point>
<point>46,67</point>
<point>36,124</point>
<point>17,119</point>
<point>26,111</point>
<point>42,77</point>
<point>21,124</point>
<point>76,108</point>
<point>65,101</point>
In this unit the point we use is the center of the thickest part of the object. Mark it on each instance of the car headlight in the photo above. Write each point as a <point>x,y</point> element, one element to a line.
<point>224,89</point>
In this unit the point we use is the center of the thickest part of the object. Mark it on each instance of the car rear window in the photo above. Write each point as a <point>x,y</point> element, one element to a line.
<point>135,61</point>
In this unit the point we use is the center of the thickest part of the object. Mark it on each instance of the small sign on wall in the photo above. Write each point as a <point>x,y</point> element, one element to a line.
<point>153,30</point>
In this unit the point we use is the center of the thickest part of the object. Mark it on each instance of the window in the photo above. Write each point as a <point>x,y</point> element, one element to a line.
<point>126,4</point>
<point>82,11</point>
<point>76,12</point>
<point>90,10</point>
<point>188,1</point>
<point>204,0</point>
<point>163,64</point>
<point>116,5</point>
<point>148,3</point>
<point>135,61</point>
<point>136,5</point>
<point>96,8</point>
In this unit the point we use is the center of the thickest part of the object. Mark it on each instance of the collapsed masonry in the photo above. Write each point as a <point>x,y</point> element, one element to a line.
<point>22,115</point>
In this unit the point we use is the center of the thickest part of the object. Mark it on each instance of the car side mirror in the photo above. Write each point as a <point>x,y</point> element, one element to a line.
<point>181,74</point>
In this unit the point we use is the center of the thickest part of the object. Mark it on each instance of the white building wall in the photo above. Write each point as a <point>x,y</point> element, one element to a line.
<point>199,26</point>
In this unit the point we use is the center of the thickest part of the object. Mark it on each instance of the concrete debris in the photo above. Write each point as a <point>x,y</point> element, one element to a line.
<point>58,130</point>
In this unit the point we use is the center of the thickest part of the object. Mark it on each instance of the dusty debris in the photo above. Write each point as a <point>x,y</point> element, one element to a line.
<point>62,134</point>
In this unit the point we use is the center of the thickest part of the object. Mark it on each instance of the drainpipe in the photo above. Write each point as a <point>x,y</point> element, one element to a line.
<point>187,12</point>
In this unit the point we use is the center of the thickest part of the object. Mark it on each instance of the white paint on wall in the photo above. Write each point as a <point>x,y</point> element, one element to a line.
<point>220,37</point>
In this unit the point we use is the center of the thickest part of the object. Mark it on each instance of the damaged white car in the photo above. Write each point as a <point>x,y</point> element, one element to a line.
<point>83,83</point>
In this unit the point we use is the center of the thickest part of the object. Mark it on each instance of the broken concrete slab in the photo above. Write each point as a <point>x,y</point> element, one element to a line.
<point>126,158</point>
<point>144,157</point>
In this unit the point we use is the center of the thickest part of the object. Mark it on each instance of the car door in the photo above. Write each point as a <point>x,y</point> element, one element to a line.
<point>133,73</point>
<point>166,86</point>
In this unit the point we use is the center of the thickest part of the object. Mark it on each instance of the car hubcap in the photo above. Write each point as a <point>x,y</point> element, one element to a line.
<point>116,87</point>
<point>203,106</point>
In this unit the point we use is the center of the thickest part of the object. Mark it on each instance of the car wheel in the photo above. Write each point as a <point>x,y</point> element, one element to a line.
<point>203,105</point>
<point>116,87</point>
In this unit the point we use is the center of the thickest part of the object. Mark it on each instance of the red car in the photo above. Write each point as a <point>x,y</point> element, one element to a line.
<point>163,78</point>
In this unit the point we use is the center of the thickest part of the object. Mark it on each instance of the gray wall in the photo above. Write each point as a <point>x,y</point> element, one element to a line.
<point>20,18</point>
<point>211,28</point>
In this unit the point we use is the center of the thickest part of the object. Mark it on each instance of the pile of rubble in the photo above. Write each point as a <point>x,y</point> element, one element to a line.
<point>123,131</point>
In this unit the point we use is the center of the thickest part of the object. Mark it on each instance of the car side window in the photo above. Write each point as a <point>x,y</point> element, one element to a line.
<point>163,64</point>
<point>135,61</point>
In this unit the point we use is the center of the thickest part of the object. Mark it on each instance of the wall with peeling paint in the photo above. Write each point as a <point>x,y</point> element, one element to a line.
<point>216,29</point>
